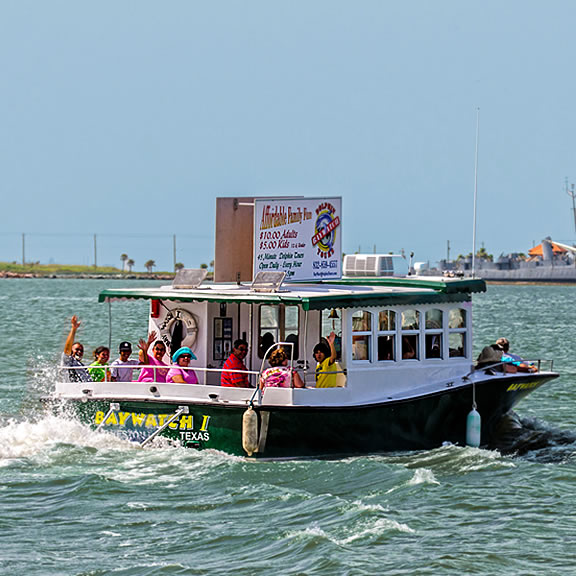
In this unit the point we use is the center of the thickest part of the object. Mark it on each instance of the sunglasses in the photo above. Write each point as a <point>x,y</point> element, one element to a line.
<point>186,357</point>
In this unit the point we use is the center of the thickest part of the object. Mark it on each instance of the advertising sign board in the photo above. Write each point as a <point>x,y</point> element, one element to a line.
<point>300,236</point>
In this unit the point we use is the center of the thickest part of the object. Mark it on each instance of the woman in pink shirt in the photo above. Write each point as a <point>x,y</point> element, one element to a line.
<point>153,374</point>
<point>279,375</point>
<point>178,373</point>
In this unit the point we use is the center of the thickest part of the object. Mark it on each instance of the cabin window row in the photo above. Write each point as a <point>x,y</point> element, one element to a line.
<point>411,334</point>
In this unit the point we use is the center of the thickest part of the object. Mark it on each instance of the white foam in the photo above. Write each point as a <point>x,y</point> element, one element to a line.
<point>423,476</point>
<point>370,507</point>
<point>364,530</point>
<point>24,439</point>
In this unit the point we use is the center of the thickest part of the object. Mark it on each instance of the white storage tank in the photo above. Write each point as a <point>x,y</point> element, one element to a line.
<point>375,265</point>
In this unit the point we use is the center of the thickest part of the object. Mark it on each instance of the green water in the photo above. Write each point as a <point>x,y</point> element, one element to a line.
<point>74,502</point>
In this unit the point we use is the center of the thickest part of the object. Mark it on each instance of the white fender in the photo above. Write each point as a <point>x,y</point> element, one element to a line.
<point>250,431</point>
<point>473,428</point>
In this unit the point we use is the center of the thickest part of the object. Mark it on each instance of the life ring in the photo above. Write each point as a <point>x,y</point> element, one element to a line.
<point>189,326</point>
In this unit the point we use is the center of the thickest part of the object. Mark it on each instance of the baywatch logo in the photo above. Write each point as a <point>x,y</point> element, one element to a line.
<point>325,229</point>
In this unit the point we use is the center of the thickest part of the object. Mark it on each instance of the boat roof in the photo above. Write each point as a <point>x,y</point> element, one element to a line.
<point>345,293</point>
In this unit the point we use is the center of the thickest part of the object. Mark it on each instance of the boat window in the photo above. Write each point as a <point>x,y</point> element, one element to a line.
<point>434,319</point>
<point>433,336</point>
<point>360,347</point>
<point>457,318</point>
<point>386,348</point>
<point>457,321</point>
<point>410,347</point>
<point>457,344</point>
<point>387,321</point>
<point>386,335</point>
<point>361,321</point>
<point>410,335</point>
<point>278,324</point>
<point>291,317</point>
<point>410,320</point>
<point>361,335</point>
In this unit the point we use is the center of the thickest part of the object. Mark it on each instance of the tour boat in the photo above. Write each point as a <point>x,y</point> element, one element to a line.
<point>405,374</point>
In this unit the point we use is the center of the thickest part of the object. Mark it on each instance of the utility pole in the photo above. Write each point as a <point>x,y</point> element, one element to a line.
<point>174,250</point>
<point>572,195</point>
<point>95,253</point>
<point>23,249</point>
<point>447,250</point>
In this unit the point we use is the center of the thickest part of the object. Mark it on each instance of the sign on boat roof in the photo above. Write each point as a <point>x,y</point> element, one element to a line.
<point>301,237</point>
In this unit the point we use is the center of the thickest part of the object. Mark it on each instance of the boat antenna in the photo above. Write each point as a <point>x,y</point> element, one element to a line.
<point>475,193</point>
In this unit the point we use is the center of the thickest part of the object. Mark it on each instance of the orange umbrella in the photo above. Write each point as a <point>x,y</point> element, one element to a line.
<point>537,250</point>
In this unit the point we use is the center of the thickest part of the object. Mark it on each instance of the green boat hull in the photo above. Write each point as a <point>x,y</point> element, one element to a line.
<point>296,431</point>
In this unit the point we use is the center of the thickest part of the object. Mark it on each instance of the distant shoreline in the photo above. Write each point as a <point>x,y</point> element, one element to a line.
<point>85,276</point>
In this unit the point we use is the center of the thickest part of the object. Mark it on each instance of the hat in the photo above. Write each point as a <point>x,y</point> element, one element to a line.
<point>180,351</point>
<point>125,346</point>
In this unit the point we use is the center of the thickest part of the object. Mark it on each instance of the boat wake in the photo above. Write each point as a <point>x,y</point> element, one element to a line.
<point>533,439</point>
<point>29,438</point>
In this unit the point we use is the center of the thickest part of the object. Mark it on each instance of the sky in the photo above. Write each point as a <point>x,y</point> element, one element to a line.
<point>124,120</point>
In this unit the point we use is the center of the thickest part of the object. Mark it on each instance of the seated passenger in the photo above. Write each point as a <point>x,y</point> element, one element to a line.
<point>513,360</point>
<point>178,372</point>
<point>490,356</point>
<point>153,374</point>
<point>279,375</point>
<point>326,369</point>
<point>98,370</point>
<point>235,364</point>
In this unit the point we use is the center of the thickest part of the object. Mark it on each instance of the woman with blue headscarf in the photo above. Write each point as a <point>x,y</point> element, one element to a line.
<point>180,373</point>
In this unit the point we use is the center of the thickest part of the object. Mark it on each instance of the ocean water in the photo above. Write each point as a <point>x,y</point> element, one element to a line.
<point>73,502</point>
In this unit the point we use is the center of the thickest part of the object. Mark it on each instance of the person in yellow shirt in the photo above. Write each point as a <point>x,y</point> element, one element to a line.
<point>326,369</point>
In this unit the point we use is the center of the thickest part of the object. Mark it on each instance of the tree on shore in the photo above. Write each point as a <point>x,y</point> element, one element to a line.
<point>204,266</point>
<point>124,258</point>
<point>483,255</point>
<point>149,265</point>
<point>130,263</point>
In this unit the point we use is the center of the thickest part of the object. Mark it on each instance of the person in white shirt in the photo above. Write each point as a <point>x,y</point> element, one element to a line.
<point>122,369</point>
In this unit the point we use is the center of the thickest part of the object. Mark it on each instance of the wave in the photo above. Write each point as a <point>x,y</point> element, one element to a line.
<point>533,439</point>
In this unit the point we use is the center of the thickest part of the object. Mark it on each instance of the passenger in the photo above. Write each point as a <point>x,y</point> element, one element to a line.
<point>490,356</point>
<point>181,360</point>
<point>236,362</point>
<point>99,370</point>
<point>122,368</point>
<point>279,375</point>
<point>266,342</point>
<point>153,374</point>
<point>408,350</point>
<point>326,369</point>
<point>73,353</point>
<point>513,360</point>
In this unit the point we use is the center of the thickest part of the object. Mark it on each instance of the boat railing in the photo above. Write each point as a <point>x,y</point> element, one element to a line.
<point>82,373</point>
